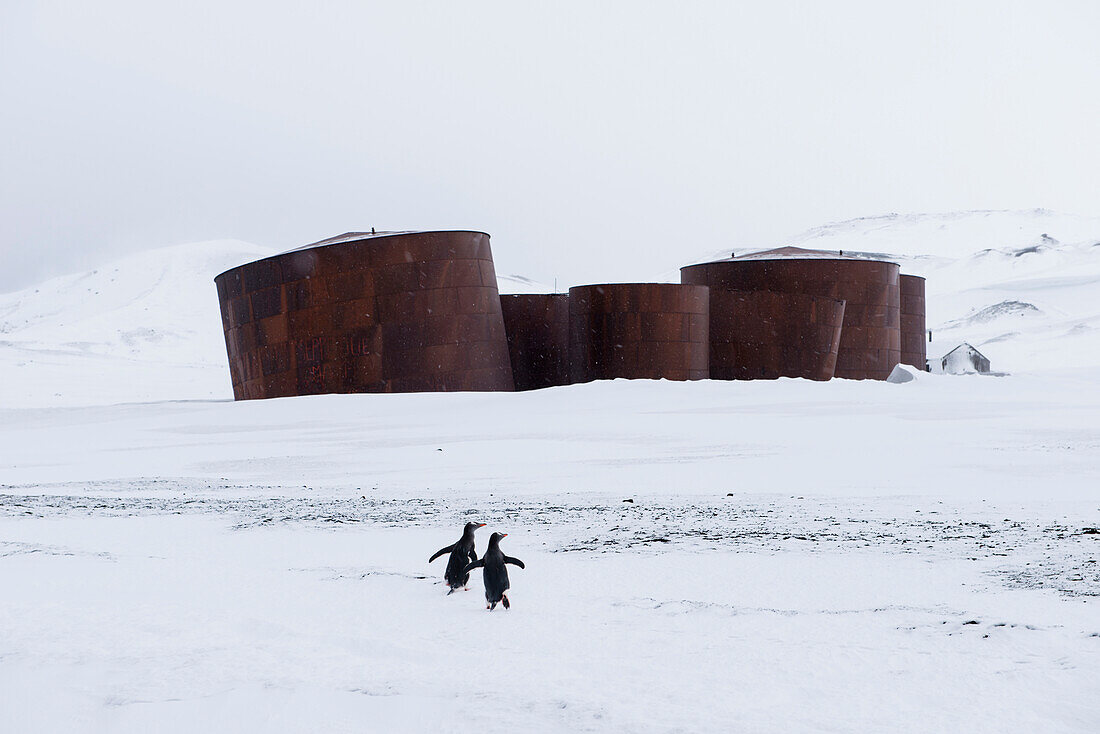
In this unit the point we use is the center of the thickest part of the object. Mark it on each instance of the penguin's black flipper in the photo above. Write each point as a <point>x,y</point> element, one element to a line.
<point>441,551</point>
<point>473,565</point>
<point>514,561</point>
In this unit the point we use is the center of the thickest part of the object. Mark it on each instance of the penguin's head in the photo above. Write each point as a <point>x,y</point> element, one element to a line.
<point>472,526</point>
<point>495,538</point>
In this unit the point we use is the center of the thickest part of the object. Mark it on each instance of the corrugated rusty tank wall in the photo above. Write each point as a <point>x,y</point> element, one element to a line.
<point>393,312</point>
<point>638,331</point>
<point>870,343</point>
<point>914,348</point>
<point>766,335</point>
<point>538,338</point>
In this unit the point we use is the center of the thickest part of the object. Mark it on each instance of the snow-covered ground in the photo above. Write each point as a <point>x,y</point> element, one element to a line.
<point>796,556</point>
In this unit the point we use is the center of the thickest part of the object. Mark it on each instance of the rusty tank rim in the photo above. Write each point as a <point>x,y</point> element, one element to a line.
<point>335,241</point>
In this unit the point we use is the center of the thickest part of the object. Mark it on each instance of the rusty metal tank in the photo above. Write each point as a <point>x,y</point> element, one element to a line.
<point>765,335</point>
<point>639,331</point>
<point>914,348</point>
<point>538,338</point>
<point>366,312</point>
<point>870,342</point>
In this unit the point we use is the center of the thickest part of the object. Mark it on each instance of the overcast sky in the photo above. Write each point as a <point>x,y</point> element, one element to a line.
<point>593,140</point>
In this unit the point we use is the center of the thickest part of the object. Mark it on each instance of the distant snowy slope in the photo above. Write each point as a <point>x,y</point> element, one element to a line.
<point>1027,309</point>
<point>1021,286</point>
<point>518,284</point>
<point>926,236</point>
<point>145,327</point>
<point>950,234</point>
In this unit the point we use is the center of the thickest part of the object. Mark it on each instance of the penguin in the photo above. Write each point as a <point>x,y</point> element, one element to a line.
<point>461,553</point>
<point>494,573</point>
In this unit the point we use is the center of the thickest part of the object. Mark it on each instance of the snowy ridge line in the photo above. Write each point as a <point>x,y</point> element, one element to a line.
<point>1032,552</point>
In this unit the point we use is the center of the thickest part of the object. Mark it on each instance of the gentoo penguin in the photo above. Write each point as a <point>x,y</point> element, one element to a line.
<point>494,573</point>
<point>461,553</point>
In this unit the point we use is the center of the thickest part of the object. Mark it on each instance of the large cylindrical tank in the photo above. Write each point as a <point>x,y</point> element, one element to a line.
<point>766,335</point>
<point>914,348</point>
<point>638,331</point>
<point>870,342</point>
<point>364,312</point>
<point>538,338</point>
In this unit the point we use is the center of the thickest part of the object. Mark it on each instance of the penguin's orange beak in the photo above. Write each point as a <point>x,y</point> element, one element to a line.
<point>504,535</point>
<point>481,524</point>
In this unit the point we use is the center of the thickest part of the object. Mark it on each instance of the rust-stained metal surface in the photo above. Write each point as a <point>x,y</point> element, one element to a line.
<point>870,342</point>
<point>914,348</point>
<point>538,338</point>
<point>639,331</point>
<point>765,335</point>
<point>392,312</point>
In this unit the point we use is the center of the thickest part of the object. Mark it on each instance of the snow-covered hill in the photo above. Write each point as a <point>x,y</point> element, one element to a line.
<point>521,284</point>
<point>1027,309</point>
<point>1023,287</point>
<point>950,234</point>
<point>145,327</point>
